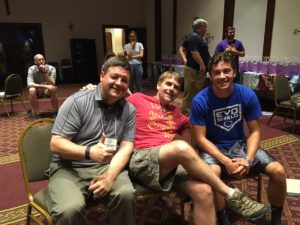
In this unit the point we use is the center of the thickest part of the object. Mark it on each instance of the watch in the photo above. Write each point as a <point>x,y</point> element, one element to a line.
<point>249,161</point>
<point>87,152</point>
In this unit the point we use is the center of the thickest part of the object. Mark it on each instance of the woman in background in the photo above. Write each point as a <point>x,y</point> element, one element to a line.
<point>134,52</point>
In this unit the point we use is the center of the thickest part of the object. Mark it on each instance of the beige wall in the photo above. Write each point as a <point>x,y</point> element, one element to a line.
<point>249,21</point>
<point>212,11</point>
<point>285,43</point>
<point>89,16</point>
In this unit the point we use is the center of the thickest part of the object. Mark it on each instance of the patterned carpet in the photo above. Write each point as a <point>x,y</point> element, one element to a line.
<point>163,211</point>
<point>166,211</point>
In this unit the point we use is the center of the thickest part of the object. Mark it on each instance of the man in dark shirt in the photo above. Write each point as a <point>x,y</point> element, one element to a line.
<point>197,56</point>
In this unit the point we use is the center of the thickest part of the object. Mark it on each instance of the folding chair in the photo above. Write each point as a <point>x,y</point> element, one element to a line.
<point>12,91</point>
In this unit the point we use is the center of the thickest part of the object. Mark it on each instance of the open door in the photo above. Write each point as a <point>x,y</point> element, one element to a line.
<point>114,38</point>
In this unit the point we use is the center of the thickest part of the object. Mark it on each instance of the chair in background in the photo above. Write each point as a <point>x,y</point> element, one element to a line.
<point>12,91</point>
<point>285,103</point>
<point>35,157</point>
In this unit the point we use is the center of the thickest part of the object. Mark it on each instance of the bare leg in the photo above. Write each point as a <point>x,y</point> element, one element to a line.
<point>180,152</point>
<point>34,104</point>
<point>54,101</point>
<point>219,199</point>
<point>204,211</point>
<point>277,184</point>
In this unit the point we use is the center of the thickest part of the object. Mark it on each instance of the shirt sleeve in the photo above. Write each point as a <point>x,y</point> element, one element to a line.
<point>198,112</point>
<point>129,128</point>
<point>195,42</point>
<point>126,48</point>
<point>184,122</point>
<point>240,47</point>
<point>141,47</point>
<point>67,123</point>
<point>252,108</point>
<point>219,47</point>
<point>52,73</point>
<point>30,77</point>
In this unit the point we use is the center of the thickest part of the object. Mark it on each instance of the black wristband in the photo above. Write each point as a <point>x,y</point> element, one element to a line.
<point>87,152</point>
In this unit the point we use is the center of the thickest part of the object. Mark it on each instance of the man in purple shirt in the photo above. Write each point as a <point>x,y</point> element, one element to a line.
<point>234,46</point>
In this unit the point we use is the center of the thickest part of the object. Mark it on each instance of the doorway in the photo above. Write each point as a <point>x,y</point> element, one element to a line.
<point>114,37</point>
<point>19,42</point>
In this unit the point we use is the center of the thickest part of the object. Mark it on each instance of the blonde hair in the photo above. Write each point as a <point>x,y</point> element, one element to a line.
<point>168,75</point>
<point>199,22</point>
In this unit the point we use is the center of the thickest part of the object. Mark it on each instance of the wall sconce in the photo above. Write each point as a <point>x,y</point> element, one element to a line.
<point>208,37</point>
<point>296,31</point>
<point>71,26</point>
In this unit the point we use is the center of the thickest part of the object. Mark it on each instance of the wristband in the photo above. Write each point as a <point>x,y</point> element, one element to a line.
<point>250,162</point>
<point>87,152</point>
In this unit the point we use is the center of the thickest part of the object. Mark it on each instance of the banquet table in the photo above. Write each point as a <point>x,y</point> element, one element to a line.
<point>264,82</point>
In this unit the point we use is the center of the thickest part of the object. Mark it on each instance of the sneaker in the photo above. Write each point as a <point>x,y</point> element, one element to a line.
<point>246,207</point>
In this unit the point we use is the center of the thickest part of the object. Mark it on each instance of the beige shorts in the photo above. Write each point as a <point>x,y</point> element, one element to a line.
<point>144,167</point>
<point>42,92</point>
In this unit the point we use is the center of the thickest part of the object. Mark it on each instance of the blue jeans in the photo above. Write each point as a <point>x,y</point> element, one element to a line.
<point>136,78</point>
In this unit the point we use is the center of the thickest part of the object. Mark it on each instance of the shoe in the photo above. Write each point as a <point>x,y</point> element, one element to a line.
<point>246,207</point>
<point>54,115</point>
<point>32,116</point>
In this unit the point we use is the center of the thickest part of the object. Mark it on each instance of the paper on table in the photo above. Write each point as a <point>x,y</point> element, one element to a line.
<point>293,187</point>
<point>265,113</point>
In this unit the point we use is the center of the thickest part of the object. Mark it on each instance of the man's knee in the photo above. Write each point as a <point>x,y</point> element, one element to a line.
<point>32,92</point>
<point>216,169</point>
<point>180,146</point>
<point>201,192</point>
<point>123,196</point>
<point>276,171</point>
<point>69,211</point>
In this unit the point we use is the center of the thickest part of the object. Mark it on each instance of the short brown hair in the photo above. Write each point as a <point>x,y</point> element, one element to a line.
<point>229,28</point>
<point>221,57</point>
<point>116,61</point>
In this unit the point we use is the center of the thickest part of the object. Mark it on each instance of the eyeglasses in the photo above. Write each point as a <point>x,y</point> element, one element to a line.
<point>132,36</point>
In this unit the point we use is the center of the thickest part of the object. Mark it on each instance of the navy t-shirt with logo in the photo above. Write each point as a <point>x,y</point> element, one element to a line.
<point>224,118</point>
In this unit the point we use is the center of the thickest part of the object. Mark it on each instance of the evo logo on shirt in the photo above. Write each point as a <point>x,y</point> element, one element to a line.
<point>227,117</point>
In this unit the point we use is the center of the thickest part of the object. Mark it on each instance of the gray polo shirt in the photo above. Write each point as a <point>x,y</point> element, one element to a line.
<point>84,117</point>
<point>36,76</point>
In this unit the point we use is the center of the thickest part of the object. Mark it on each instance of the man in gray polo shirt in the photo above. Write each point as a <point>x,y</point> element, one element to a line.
<point>41,82</point>
<point>92,142</point>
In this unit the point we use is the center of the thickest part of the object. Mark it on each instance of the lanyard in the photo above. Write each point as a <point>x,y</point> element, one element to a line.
<point>115,123</point>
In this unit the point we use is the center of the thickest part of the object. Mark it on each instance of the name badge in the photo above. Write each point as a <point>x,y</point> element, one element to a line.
<point>111,143</point>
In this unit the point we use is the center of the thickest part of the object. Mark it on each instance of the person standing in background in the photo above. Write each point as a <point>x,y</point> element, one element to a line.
<point>182,48</point>
<point>234,47</point>
<point>134,52</point>
<point>197,56</point>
